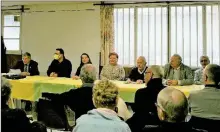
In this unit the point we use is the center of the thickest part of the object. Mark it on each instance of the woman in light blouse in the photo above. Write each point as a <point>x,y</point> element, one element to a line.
<point>113,71</point>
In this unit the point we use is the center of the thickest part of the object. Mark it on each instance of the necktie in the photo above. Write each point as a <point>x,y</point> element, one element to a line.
<point>25,68</point>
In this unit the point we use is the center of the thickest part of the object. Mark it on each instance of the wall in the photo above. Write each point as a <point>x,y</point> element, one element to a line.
<point>75,31</point>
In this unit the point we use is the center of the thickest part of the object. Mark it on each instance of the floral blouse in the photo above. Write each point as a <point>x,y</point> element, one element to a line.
<point>113,72</point>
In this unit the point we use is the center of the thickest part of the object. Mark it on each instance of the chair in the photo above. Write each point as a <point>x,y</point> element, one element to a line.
<point>205,124</point>
<point>52,114</point>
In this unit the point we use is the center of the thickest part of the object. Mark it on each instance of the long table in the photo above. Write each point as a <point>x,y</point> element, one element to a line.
<point>32,87</point>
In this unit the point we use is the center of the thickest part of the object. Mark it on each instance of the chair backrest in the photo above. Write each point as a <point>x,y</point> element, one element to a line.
<point>52,114</point>
<point>205,124</point>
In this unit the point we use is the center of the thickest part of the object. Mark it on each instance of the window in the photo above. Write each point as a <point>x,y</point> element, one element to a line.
<point>186,33</point>
<point>213,33</point>
<point>11,32</point>
<point>124,35</point>
<point>158,32</point>
<point>152,34</point>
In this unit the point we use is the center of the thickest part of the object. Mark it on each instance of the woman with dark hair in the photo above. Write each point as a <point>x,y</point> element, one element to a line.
<point>85,59</point>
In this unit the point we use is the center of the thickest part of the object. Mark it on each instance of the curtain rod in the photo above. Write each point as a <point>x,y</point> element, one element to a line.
<point>22,9</point>
<point>162,2</point>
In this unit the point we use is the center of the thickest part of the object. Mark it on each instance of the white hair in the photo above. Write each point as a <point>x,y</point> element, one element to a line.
<point>157,71</point>
<point>143,59</point>
<point>88,73</point>
<point>177,55</point>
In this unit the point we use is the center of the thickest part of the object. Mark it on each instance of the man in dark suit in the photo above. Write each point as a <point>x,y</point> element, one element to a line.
<point>27,66</point>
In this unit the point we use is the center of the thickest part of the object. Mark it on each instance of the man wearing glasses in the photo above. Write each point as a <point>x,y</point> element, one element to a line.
<point>204,61</point>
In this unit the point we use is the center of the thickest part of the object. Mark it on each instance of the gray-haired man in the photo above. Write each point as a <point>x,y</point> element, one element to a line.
<point>176,73</point>
<point>204,61</point>
<point>172,109</point>
<point>79,100</point>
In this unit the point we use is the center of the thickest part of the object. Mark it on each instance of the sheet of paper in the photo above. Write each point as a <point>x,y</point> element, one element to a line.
<point>15,71</point>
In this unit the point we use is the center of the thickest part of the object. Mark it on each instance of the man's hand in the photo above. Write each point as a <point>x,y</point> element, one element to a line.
<point>75,77</point>
<point>53,74</point>
<point>174,82</point>
<point>139,81</point>
<point>25,74</point>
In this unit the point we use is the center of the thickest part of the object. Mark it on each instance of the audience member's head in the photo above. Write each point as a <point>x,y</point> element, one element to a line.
<point>204,61</point>
<point>172,105</point>
<point>38,127</point>
<point>59,54</point>
<point>141,62</point>
<point>5,92</point>
<point>26,58</point>
<point>113,58</point>
<point>153,71</point>
<point>15,120</point>
<point>211,74</point>
<point>105,95</point>
<point>88,73</point>
<point>85,59</point>
<point>175,61</point>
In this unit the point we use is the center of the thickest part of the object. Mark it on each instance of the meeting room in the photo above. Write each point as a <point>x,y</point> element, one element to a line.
<point>110,66</point>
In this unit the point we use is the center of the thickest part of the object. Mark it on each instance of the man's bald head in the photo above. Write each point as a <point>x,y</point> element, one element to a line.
<point>141,62</point>
<point>174,104</point>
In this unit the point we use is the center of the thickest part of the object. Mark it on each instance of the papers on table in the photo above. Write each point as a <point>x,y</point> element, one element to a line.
<point>12,72</point>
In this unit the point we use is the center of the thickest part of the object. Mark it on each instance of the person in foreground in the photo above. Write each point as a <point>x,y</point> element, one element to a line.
<point>145,111</point>
<point>60,66</point>
<point>85,59</point>
<point>104,118</point>
<point>113,71</point>
<point>172,109</point>
<point>12,119</point>
<point>205,103</point>
<point>27,66</point>
<point>137,73</point>
<point>176,73</point>
<point>204,61</point>
<point>80,100</point>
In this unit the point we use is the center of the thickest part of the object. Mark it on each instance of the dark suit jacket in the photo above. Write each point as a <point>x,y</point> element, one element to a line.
<point>79,100</point>
<point>32,69</point>
<point>145,111</point>
<point>171,127</point>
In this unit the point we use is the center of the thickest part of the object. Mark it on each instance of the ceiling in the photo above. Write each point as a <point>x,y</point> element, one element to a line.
<point>31,2</point>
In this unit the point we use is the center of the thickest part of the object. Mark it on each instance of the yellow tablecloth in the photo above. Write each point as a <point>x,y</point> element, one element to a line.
<point>32,87</point>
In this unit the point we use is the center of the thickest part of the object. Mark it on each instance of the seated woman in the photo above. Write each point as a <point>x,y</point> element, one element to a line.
<point>85,59</point>
<point>5,93</point>
<point>104,118</point>
<point>113,71</point>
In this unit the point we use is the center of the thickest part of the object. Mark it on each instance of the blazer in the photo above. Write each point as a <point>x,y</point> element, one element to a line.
<point>33,67</point>
<point>186,74</point>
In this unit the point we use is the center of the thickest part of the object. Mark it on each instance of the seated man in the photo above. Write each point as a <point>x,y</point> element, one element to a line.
<point>137,73</point>
<point>12,119</point>
<point>144,108</point>
<point>172,109</point>
<point>80,100</point>
<point>60,66</point>
<point>205,103</point>
<point>28,67</point>
<point>104,118</point>
<point>204,61</point>
<point>176,73</point>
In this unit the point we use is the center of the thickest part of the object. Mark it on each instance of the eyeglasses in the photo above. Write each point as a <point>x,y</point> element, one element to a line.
<point>203,60</point>
<point>159,106</point>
